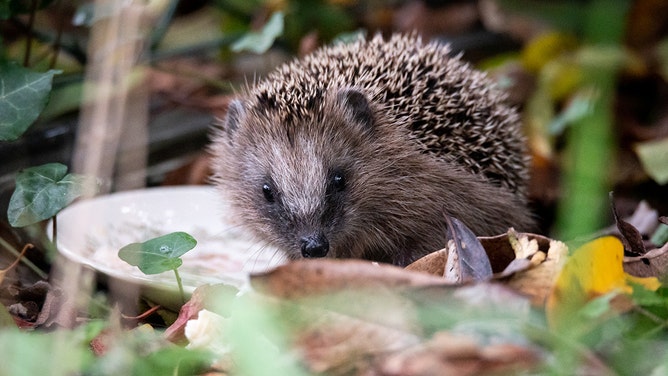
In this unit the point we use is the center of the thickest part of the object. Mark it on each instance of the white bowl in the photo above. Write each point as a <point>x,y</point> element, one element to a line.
<point>91,232</point>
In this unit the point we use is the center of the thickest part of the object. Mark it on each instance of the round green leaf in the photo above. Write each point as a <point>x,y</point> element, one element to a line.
<point>23,95</point>
<point>159,254</point>
<point>41,192</point>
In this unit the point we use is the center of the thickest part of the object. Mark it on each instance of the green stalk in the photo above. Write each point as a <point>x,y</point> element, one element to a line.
<point>591,143</point>
<point>180,284</point>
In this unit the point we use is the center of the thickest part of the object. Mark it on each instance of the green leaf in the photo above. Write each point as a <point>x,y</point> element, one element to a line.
<point>597,307</point>
<point>577,108</point>
<point>660,236</point>
<point>39,353</point>
<point>23,95</point>
<point>159,254</point>
<point>654,158</point>
<point>645,297</point>
<point>260,42</point>
<point>41,192</point>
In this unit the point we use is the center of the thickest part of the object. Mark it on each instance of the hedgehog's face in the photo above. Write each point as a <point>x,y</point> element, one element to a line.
<point>295,184</point>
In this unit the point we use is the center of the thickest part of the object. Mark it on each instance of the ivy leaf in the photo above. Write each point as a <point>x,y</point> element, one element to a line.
<point>23,95</point>
<point>159,254</point>
<point>41,192</point>
<point>260,42</point>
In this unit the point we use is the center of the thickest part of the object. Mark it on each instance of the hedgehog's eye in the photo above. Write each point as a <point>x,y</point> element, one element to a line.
<point>268,192</point>
<point>338,181</point>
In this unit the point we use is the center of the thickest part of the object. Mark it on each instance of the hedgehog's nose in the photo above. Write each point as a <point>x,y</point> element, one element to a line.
<point>315,245</point>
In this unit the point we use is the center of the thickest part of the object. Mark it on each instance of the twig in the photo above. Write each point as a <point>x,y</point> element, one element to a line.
<point>56,42</point>
<point>25,261</point>
<point>31,23</point>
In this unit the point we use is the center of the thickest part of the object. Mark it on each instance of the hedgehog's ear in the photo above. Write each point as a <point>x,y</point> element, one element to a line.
<point>358,105</point>
<point>235,111</point>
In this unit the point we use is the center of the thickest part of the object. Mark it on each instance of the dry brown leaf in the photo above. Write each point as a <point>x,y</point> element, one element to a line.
<point>502,249</point>
<point>537,263</point>
<point>630,235</point>
<point>198,301</point>
<point>463,260</point>
<point>467,260</point>
<point>306,278</point>
<point>433,263</point>
<point>537,281</point>
<point>340,344</point>
<point>654,263</point>
<point>450,354</point>
<point>527,263</point>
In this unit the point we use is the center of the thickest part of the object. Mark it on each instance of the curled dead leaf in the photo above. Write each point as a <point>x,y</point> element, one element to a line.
<point>200,299</point>
<point>537,280</point>
<point>466,260</point>
<point>528,263</point>
<point>654,263</point>
<point>630,236</point>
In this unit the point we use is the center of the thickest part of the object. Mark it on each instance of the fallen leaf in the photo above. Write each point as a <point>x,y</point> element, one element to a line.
<point>432,263</point>
<point>53,301</point>
<point>202,298</point>
<point>498,251</point>
<point>466,260</point>
<point>527,263</point>
<point>654,263</point>
<point>305,278</point>
<point>537,281</point>
<point>341,344</point>
<point>593,270</point>
<point>631,237</point>
<point>456,354</point>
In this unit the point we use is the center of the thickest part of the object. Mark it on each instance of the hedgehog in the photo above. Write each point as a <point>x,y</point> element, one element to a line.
<point>360,150</point>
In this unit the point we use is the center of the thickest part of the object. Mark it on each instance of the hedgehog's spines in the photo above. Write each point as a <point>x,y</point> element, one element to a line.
<point>455,112</point>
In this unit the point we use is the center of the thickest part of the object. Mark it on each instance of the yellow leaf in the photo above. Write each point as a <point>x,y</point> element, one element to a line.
<point>593,270</point>
<point>546,47</point>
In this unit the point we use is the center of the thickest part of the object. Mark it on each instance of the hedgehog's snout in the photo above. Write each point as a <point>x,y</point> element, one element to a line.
<point>314,245</point>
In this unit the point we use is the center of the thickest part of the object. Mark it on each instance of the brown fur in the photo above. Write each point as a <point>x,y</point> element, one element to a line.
<point>444,143</point>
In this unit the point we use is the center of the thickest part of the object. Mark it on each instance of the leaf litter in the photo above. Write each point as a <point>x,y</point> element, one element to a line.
<point>436,316</point>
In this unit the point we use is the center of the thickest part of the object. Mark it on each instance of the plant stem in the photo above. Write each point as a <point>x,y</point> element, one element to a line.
<point>54,227</point>
<point>59,34</point>
<point>180,284</point>
<point>31,24</point>
<point>24,260</point>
